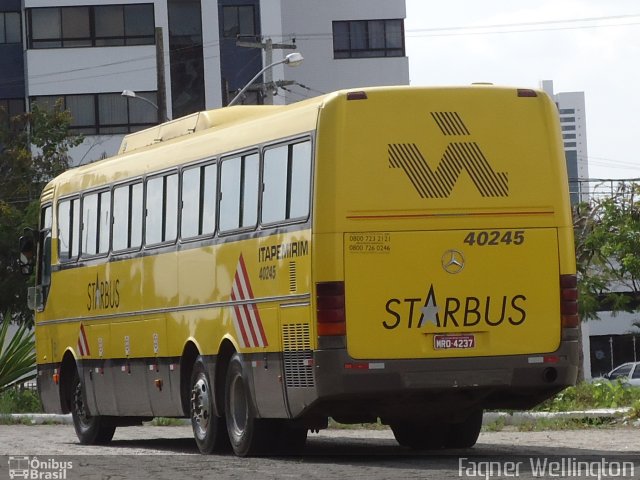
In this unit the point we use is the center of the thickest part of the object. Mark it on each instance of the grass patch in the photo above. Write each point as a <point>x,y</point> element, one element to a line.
<point>495,426</point>
<point>166,422</point>
<point>587,396</point>
<point>565,424</point>
<point>357,426</point>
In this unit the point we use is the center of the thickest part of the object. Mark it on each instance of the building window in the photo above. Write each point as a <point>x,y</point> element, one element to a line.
<point>568,136</point>
<point>9,108</point>
<point>569,144</point>
<point>368,38</point>
<point>567,111</point>
<point>186,57</point>
<point>106,113</point>
<point>10,27</point>
<point>567,119</point>
<point>568,128</point>
<point>238,21</point>
<point>91,26</point>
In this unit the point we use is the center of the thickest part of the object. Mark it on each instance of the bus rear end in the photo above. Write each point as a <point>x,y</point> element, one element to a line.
<point>444,264</point>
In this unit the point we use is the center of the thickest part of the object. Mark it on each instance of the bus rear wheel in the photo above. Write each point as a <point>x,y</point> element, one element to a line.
<point>432,435</point>
<point>419,435</point>
<point>248,435</point>
<point>465,434</point>
<point>208,429</point>
<point>91,430</point>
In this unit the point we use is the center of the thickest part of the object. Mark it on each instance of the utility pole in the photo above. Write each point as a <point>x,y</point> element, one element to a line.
<point>162,86</point>
<point>268,46</point>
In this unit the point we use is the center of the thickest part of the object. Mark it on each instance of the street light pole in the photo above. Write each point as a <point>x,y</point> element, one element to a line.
<point>132,94</point>
<point>293,60</point>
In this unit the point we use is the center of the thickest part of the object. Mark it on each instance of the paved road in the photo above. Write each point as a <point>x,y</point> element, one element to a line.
<point>170,453</point>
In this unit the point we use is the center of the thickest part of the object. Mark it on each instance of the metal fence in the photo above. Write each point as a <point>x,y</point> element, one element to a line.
<point>586,190</point>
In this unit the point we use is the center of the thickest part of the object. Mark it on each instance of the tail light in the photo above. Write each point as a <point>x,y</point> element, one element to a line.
<point>359,95</point>
<point>330,308</point>
<point>569,300</point>
<point>525,92</point>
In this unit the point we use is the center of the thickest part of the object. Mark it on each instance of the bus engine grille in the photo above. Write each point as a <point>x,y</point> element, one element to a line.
<point>296,350</point>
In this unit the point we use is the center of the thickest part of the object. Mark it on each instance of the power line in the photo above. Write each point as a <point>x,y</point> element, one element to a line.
<point>525,24</point>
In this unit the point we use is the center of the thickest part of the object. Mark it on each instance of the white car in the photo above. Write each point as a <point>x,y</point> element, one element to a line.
<point>627,372</point>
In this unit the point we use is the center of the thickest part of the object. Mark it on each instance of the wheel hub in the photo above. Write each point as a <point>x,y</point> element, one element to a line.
<point>200,405</point>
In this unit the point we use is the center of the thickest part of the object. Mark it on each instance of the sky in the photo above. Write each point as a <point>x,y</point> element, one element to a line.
<point>591,46</point>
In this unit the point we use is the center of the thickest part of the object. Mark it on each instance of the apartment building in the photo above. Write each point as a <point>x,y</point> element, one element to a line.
<point>573,122</point>
<point>12,80</point>
<point>183,56</point>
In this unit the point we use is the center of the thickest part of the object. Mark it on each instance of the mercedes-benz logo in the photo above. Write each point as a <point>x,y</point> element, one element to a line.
<point>452,261</point>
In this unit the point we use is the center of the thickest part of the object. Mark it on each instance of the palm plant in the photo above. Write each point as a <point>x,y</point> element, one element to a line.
<point>17,355</point>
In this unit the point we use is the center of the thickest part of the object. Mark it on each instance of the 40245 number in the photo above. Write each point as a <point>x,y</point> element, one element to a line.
<point>267,273</point>
<point>495,238</point>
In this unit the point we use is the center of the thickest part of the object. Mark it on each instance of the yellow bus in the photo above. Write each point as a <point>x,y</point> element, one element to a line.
<point>402,254</point>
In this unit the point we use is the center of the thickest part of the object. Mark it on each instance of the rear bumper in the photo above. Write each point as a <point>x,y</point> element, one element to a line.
<point>382,387</point>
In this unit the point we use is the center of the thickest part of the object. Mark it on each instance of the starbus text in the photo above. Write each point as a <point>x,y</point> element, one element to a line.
<point>470,311</point>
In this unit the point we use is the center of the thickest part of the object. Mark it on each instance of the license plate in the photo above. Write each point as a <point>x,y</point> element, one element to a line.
<point>445,342</point>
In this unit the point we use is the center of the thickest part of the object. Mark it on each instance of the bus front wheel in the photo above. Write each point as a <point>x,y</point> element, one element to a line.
<point>91,430</point>
<point>248,435</point>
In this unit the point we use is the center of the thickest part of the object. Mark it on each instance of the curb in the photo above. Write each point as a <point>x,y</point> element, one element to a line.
<point>512,418</point>
<point>518,418</point>
<point>39,418</point>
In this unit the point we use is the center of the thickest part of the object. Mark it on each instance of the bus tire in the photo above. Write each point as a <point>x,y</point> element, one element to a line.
<point>209,429</point>
<point>91,430</point>
<point>249,436</point>
<point>465,434</point>
<point>419,435</point>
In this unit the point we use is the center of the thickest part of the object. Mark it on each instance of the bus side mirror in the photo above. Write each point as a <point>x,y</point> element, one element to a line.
<point>27,250</point>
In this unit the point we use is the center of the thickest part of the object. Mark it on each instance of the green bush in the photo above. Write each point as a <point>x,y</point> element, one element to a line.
<point>17,354</point>
<point>585,396</point>
<point>15,400</point>
<point>634,413</point>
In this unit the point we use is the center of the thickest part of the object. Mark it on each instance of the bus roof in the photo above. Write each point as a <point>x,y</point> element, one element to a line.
<point>204,135</point>
<point>198,136</point>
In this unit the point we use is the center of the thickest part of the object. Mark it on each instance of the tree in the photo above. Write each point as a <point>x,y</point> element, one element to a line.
<point>34,148</point>
<point>607,232</point>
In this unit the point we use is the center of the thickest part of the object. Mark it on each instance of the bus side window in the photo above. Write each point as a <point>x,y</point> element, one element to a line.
<point>127,217</point>
<point>275,178</point>
<point>161,223</point>
<point>104,221</point>
<point>89,224</point>
<point>300,172</point>
<point>44,267</point>
<point>287,181</point>
<point>199,195</point>
<point>68,229</point>
<point>190,225</point>
<point>239,188</point>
